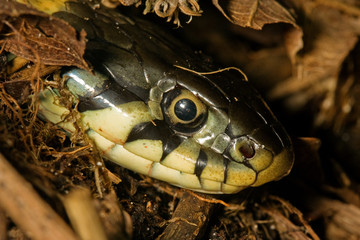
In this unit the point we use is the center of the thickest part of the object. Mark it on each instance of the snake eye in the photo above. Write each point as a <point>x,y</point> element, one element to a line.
<point>184,111</point>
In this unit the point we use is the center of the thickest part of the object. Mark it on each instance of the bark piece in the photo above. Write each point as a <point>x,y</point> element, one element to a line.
<point>189,219</point>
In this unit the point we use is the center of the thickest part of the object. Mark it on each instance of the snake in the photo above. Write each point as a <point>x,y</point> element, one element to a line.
<point>210,133</point>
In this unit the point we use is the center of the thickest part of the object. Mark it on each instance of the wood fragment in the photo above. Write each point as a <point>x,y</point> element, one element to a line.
<point>83,215</point>
<point>117,222</point>
<point>189,220</point>
<point>286,228</point>
<point>295,211</point>
<point>26,208</point>
<point>113,178</point>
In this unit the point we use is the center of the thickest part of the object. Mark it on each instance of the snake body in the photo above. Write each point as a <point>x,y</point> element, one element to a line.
<point>209,133</point>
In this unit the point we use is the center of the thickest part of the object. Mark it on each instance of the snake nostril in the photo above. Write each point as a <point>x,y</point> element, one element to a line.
<point>247,150</point>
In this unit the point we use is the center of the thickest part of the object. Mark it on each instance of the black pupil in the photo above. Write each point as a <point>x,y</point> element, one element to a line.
<point>185,109</point>
<point>247,150</point>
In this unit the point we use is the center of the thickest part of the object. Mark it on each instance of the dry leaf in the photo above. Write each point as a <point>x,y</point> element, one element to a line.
<point>254,13</point>
<point>342,220</point>
<point>326,44</point>
<point>325,76</point>
<point>39,37</point>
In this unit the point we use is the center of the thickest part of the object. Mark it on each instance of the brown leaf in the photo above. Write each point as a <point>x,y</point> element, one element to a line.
<point>342,220</point>
<point>330,33</point>
<point>37,36</point>
<point>254,13</point>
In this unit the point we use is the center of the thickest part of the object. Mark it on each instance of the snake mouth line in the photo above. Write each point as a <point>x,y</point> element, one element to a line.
<point>118,154</point>
<point>217,179</point>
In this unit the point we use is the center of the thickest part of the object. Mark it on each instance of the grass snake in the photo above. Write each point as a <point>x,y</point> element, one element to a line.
<point>211,133</point>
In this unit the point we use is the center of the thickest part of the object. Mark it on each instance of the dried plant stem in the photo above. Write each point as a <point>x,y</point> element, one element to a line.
<point>27,209</point>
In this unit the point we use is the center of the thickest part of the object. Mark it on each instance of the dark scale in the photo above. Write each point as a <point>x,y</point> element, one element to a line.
<point>201,163</point>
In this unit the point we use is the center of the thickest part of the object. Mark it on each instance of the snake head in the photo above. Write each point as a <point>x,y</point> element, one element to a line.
<point>225,133</point>
<point>209,133</point>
